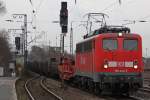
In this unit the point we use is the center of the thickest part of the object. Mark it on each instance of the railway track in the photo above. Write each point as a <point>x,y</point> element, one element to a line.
<point>104,96</point>
<point>142,93</point>
<point>145,89</point>
<point>38,91</point>
<point>147,80</point>
<point>135,98</point>
<point>44,87</point>
<point>121,97</point>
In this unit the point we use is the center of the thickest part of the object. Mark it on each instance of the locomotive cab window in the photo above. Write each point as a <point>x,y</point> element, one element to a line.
<point>88,46</point>
<point>79,48</point>
<point>110,44</point>
<point>129,44</point>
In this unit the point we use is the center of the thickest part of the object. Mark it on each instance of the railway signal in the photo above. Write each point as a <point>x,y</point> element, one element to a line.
<point>64,29</point>
<point>75,1</point>
<point>17,43</point>
<point>64,17</point>
<point>120,2</point>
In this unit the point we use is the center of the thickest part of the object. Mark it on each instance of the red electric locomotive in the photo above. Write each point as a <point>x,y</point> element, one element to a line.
<point>110,58</point>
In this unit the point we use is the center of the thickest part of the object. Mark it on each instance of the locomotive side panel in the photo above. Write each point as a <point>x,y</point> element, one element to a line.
<point>85,58</point>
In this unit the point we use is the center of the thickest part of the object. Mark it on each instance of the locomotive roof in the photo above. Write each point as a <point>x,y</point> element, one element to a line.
<point>108,29</point>
<point>134,35</point>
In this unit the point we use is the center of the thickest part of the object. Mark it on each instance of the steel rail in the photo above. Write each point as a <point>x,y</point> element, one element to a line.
<point>145,89</point>
<point>26,88</point>
<point>46,89</point>
<point>136,98</point>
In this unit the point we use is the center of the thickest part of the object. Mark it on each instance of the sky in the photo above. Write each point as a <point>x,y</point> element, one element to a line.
<point>47,11</point>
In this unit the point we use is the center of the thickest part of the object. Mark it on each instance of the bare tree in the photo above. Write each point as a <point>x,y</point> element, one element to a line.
<point>38,54</point>
<point>2,8</point>
<point>5,54</point>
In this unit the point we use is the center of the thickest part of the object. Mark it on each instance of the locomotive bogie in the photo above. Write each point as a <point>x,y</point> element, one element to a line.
<point>119,82</point>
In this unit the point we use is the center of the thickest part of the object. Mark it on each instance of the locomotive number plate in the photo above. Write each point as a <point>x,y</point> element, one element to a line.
<point>120,64</point>
<point>117,70</point>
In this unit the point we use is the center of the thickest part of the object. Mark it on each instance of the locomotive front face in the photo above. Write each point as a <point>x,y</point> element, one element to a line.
<point>122,53</point>
<point>121,59</point>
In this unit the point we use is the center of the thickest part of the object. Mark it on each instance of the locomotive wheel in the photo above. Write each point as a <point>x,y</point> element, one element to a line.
<point>83,85</point>
<point>97,89</point>
<point>72,82</point>
<point>91,88</point>
<point>75,82</point>
<point>80,83</point>
<point>128,94</point>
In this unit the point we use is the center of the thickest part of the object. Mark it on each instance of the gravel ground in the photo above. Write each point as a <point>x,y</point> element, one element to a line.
<point>20,89</point>
<point>141,94</point>
<point>146,75</point>
<point>38,92</point>
<point>69,93</point>
<point>21,93</point>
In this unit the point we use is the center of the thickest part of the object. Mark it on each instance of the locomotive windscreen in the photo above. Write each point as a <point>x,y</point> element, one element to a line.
<point>110,44</point>
<point>130,44</point>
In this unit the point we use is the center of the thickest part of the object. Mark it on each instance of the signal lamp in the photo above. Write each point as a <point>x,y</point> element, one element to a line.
<point>64,14</point>
<point>64,29</point>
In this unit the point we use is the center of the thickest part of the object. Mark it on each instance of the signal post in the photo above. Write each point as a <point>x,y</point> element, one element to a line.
<point>64,29</point>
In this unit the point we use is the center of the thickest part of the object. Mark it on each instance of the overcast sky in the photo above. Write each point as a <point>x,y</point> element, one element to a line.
<point>48,11</point>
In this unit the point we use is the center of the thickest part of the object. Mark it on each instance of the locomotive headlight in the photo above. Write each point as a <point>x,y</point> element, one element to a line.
<point>120,34</point>
<point>105,66</point>
<point>135,66</point>
<point>105,63</point>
